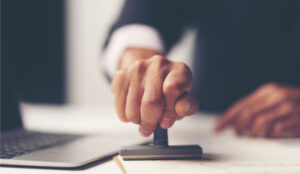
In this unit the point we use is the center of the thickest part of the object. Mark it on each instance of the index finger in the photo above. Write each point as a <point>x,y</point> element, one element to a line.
<point>177,82</point>
<point>230,115</point>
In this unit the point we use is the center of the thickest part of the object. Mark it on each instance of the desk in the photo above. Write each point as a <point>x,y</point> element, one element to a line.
<point>72,119</point>
<point>224,153</point>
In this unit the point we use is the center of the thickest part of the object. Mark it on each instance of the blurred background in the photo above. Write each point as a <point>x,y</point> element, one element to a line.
<point>57,45</point>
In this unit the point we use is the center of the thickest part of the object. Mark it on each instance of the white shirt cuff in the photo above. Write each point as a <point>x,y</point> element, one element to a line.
<point>131,35</point>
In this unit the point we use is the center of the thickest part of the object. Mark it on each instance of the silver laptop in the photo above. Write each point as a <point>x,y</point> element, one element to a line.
<point>40,149</point>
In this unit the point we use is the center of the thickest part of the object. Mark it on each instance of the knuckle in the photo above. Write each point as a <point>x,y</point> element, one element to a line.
<point>280,95</point>
<point>181,66</point>
<point>138,66</point>
<point>271,86</point>
<point>171,87</point>
<point>272,89</point>
<point>184,70</point>
<point>159,61</point>
<point>176,86</point>
<point>152,100</point>
<point>158,58</point>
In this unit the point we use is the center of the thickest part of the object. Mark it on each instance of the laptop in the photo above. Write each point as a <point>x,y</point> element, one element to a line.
<point>20,147</point>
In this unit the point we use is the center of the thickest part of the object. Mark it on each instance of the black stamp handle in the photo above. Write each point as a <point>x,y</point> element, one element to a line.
<point>160,136</point>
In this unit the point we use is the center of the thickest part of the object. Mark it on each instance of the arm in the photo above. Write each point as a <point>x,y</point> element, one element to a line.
<point>148,88</point>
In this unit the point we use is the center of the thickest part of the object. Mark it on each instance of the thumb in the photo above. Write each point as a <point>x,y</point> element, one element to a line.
<point>186,105</point>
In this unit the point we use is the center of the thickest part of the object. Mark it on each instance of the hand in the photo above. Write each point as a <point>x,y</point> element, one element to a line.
<point>149,89</point>
<point>271,111</point>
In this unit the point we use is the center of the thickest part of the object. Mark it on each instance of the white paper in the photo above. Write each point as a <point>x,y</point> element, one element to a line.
<point>223,153</point>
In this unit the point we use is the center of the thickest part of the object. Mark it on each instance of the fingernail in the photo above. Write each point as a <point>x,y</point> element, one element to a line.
<point>166,123</point>
<point>145,132</point>
<point>187,106</point>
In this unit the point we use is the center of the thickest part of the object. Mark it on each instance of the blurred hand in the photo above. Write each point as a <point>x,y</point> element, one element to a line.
<point>149,89</point>
<point>271,111</point>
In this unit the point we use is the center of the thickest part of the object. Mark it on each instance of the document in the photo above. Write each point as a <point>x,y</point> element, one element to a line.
<point>223,153</point>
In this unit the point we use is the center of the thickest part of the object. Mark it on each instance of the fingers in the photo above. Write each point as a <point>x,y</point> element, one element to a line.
<point>243,111</point>
<point>264,122</point>
<point>186,105</point>
<point>287,128</point>
<point>119,88</point>
<point>177,82</point>
<point>152,91</point>
<point>232,113</point>
<point>248,114</point>
<point>152,106</point>
<point>271,111</point>
<point>135,93</point>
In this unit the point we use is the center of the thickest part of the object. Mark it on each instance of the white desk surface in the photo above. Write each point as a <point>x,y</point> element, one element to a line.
<point>224,153</point>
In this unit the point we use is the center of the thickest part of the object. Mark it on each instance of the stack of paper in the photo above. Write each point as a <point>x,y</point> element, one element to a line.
<point>224,153</point>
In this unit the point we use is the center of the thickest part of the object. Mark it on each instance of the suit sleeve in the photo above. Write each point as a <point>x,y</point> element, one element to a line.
<point>169,17</point>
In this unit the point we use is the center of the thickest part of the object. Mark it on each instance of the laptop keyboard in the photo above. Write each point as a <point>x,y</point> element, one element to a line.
<point>18,143</point>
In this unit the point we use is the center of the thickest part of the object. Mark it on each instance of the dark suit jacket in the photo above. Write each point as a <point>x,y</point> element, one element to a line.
<point>240,44</point>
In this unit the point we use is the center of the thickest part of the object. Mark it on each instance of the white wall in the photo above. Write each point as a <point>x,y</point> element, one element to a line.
<point>88,22</point>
